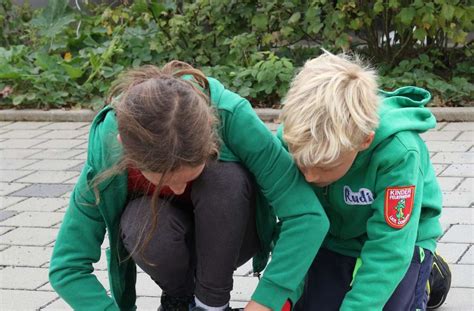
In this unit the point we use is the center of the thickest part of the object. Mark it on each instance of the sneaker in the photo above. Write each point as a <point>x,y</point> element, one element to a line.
<point>439,282</point>
<point>169,303</point>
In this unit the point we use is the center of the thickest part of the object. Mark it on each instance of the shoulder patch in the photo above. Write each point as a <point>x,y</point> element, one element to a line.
<point>398,205</point>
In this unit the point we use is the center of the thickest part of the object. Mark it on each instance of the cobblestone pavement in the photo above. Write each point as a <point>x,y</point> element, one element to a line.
<point>40,162</point>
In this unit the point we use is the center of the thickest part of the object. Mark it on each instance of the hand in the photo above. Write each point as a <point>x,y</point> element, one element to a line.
<point>255,306</point>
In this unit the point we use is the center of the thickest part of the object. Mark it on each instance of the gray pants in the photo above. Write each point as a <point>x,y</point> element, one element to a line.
<point>195,249</point>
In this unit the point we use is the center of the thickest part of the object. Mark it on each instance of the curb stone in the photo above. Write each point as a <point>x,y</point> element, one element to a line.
<point>448,114</point>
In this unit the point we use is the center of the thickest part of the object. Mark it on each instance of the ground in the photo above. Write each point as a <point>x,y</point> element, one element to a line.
<point>40,162</point>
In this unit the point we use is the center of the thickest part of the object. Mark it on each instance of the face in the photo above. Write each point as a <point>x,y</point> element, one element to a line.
<point>177,179</point>
<point>323,176</point>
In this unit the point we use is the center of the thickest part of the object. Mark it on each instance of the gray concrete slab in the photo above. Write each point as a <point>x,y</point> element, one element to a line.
<point>32,205</point>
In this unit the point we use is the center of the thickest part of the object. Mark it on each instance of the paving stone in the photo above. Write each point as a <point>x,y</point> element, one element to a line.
<point>462,275</point>
<point>5,123</point>
<point>72,180</point>
<point>66,125</point>
<point>14,164</point>
<point>102,276</point>
<point>77,168</point>
<point>4,215</point>
<point>8,188</point>
<point>24,300</point>
<point>462,170</point>
<point>468,258</point>
<point>445,227</point>
<point>459,126</point>
<point>243,288</point>
<point>45,154</point>
<point>467,185</point>
<point>61,134</point>
<point>23,134</point>
<point>147,303</point>
<point>457,199</point>
<point>44,190</point>
<point>244,270</point>
<point>81,156</point>
<point>33,219</point>
<point>146,286</point>
<point>25,125</point>
<point>29,236</point>
<point>35,277</point>
<point>60,144</point>
<point>50,177</point>
<point>459,234</point>
<point>8,201</point>
<point>57,305</point>
<point>25,256</point>
<point>40,204</point>
<point>12,175</point>
<point>439,126</point>
<point>17,153</point>
<point>439,135</point>
<point>453,157</point>
<point>439,168</point>
<point>3,247</point>
<point>451,252</point>
<point>449,183</point>
<point>4,230</point>
<point>53,165</point>
<point>467,136</point>
<point>82,146</point>
<point>455,215</point>
<point>21,143</point>
<point>444,146</point>
<point>459,299</point>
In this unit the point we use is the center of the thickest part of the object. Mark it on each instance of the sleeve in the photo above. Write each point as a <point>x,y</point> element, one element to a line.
<point>304,223</point>
<point>391,231</point>
<point>77,247</point>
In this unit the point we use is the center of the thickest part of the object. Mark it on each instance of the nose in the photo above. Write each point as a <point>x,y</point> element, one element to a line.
<point>178,188</point>
<point>310,177</point>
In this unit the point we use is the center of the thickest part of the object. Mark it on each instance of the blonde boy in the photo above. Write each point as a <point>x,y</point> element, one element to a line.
<point>361,149</point>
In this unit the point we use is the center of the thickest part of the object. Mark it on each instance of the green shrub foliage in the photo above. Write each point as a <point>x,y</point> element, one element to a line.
<point>63,56</point>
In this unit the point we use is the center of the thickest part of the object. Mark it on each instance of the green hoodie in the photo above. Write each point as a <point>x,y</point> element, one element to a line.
<point>370,217</point>
<point>283,193</point>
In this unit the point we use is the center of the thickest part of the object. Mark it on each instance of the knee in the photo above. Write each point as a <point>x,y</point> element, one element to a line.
<point>227,180</point>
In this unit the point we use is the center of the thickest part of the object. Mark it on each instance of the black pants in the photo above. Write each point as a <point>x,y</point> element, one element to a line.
<point>195,249</point>
<point>330,276</point>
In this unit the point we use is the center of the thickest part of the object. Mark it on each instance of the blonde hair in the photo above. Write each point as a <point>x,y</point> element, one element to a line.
<point>331,107</point>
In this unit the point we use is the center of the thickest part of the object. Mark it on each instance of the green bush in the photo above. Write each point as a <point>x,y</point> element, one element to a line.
<point>65,57</point>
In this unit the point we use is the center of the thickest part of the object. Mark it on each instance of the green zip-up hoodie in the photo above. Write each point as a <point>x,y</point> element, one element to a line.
<point>283,194</point>
<point>355,204</point>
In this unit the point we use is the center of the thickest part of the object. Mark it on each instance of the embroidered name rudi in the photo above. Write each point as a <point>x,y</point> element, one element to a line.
<point>362,197</point>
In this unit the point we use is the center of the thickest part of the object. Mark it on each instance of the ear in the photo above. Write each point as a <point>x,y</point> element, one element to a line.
<point>369,139</point>
<point>119,138</point>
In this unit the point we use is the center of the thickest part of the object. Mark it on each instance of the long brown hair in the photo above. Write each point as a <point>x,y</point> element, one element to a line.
<point>165,121</point>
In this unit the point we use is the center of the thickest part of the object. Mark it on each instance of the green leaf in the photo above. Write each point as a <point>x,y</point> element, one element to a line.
<point>378,7</point>
<point>18,99</point>
<point>407,15</point>
<point>447,11</point>
<point>419,34</point>
<point>73,72</point>
<point>260,21</point>
<point>294,18</point>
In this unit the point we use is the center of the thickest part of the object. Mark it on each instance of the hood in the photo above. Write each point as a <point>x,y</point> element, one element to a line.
<point>403,110</point>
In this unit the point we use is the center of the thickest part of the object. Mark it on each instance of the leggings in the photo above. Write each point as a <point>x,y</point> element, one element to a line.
<point>196,247</point>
